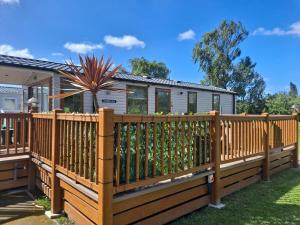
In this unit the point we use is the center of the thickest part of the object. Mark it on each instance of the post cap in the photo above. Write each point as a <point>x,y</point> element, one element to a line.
<point>214,113</point>
<point>105,109</point>
<point>58,110</point>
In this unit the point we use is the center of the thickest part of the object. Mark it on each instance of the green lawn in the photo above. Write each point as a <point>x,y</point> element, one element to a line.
<point>276,203</point>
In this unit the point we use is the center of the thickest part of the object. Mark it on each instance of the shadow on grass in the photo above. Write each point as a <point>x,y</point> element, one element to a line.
<point>276,203</point>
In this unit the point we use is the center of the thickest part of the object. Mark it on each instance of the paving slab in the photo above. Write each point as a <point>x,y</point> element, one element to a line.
<point>17,208</point>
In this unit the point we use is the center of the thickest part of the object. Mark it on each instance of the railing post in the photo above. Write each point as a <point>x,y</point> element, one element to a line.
<point>105,165</point>
<point>296,154</point>
<point>266,146</point>
<point>56,193</point>
<point>216,187</point>
<point>31,166</point>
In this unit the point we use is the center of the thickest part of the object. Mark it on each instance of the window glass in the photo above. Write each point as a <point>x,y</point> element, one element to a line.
<point>192,102</point>
<point>216,103</point>
<point>163,98</point>
<point>137,100</point>
<point>10,104</point>
<point>41,93</point>
<point>73,104</point>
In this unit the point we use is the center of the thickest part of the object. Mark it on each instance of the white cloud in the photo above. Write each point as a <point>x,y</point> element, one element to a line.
<point>11,2</point>
<point>127,41</point>
<point>57,54</point>
<point>187,35</point>
<point>44,59</point>
<point>293,29</point>
<point>10,50</point>
<point>82,48</point>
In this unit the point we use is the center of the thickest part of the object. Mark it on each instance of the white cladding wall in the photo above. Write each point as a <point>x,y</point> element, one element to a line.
<point>178,99</point>
<point>56,90</point>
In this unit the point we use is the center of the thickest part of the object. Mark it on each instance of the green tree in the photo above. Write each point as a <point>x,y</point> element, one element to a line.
<point>249,86</point>
<point>293,92</point>
<point>281,103</point>
<point>144,67</point>
<point>217,54</point>
<point>217,51</point>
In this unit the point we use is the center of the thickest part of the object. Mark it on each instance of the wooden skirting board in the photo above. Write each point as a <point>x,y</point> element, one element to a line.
<point>13,172</point>
<point>281,160</point>
<point>161,204</point>
<point>238,176</point>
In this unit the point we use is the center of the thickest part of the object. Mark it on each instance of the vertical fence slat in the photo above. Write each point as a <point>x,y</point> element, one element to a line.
<point>91,153</point>
<point>128,154</point>
<point>85,170</point>
<point>162,143</point>
<point>154,149</point>
<point>146,149</point>
<point>182,145</point>
<point>118,154</point>
<point>137,152</point>
<point>176,146</point>
<point>169,139</point>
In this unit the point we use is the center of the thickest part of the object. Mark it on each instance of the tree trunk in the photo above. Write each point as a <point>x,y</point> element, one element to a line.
<point>95,103</point>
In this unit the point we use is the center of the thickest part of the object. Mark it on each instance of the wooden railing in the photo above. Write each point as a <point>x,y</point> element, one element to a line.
<point>41,139</point>
<point>242,136</point>
<point>110,155</point>
<point>77,147</point>
<point>149,149</point>
<point>14,133</point>
<point>282,130</point>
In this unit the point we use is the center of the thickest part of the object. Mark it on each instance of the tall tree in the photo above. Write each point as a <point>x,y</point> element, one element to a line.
<point>217,50</point>
<point>293,92</point>
<point>249,86</point>
<point>218,55</point>
<point>144,67</point>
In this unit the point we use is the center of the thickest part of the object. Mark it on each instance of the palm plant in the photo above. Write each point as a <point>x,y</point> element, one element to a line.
<point>92,75</point>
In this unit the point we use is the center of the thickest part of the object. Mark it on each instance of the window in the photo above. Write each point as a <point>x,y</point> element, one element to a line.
<point>163,100</point>
<point>73,104</point>
<point>192,102</point>
<point>216,102</point>
<point>137,100</point>
<point>9,104</point>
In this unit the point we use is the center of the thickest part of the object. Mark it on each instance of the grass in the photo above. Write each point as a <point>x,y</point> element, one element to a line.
<point>63,220</point>
<point>264,203</point>
<point>43,201</point>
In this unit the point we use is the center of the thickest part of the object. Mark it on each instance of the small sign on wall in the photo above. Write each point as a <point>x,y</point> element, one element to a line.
<point>109,101</point>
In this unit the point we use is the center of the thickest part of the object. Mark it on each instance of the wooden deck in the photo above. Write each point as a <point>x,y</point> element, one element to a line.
<point>131,169</point>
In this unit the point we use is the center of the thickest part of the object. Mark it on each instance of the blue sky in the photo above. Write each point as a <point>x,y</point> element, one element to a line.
<point>56,30</point>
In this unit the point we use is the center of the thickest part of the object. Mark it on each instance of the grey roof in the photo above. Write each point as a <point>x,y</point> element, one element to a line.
<point>10,90</point>
<point>31,63</point>
<point>53,66</point>
<point>171,83</point>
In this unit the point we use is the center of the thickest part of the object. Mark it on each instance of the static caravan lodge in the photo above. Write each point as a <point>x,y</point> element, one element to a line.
<point>141,95</point>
